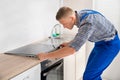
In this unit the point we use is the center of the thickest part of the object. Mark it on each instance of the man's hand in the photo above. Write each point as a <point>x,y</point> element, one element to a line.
<point>42,56</point>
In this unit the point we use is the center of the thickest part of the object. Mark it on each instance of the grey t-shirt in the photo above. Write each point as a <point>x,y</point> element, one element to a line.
<point>94,28</point>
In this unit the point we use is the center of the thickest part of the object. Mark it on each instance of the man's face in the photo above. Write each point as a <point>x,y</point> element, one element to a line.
<point>67,22</point>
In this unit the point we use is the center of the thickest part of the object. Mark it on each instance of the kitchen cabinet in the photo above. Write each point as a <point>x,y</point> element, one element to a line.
<point>14,67</point>
<point>80,57</point>
<point>31,74</point>
<point>74,65</point>
<point>69,67</point>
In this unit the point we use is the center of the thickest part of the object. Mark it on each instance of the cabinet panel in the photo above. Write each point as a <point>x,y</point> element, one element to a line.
<point>80,63</point>
<point>69,67</point>
<point>31,74</point>
<point>74,65</point>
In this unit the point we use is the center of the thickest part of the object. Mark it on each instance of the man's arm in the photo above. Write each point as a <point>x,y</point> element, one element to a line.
<point>65,51</point>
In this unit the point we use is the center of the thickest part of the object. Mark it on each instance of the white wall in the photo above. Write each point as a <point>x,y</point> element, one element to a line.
<point>78,4</point>
<point>111,9</point>
<point>25,21</point>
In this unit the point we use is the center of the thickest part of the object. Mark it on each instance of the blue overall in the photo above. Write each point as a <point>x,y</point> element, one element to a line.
<point>101,56</point>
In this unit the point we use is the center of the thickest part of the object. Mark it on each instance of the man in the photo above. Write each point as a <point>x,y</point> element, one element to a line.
<point>94,27</point>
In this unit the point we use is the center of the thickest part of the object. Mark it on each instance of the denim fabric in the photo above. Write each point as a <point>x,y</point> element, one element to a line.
<point>100,58</point>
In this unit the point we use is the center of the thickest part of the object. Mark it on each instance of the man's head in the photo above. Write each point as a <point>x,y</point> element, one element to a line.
<point>66,16</point>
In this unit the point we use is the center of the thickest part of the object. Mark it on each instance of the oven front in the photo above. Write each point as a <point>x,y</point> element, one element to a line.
<point>52,70</point>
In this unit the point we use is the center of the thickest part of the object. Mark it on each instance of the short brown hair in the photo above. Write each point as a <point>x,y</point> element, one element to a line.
<point>63,12</point>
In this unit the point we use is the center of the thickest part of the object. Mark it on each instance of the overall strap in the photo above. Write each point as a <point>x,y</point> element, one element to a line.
<point>89,12</point>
